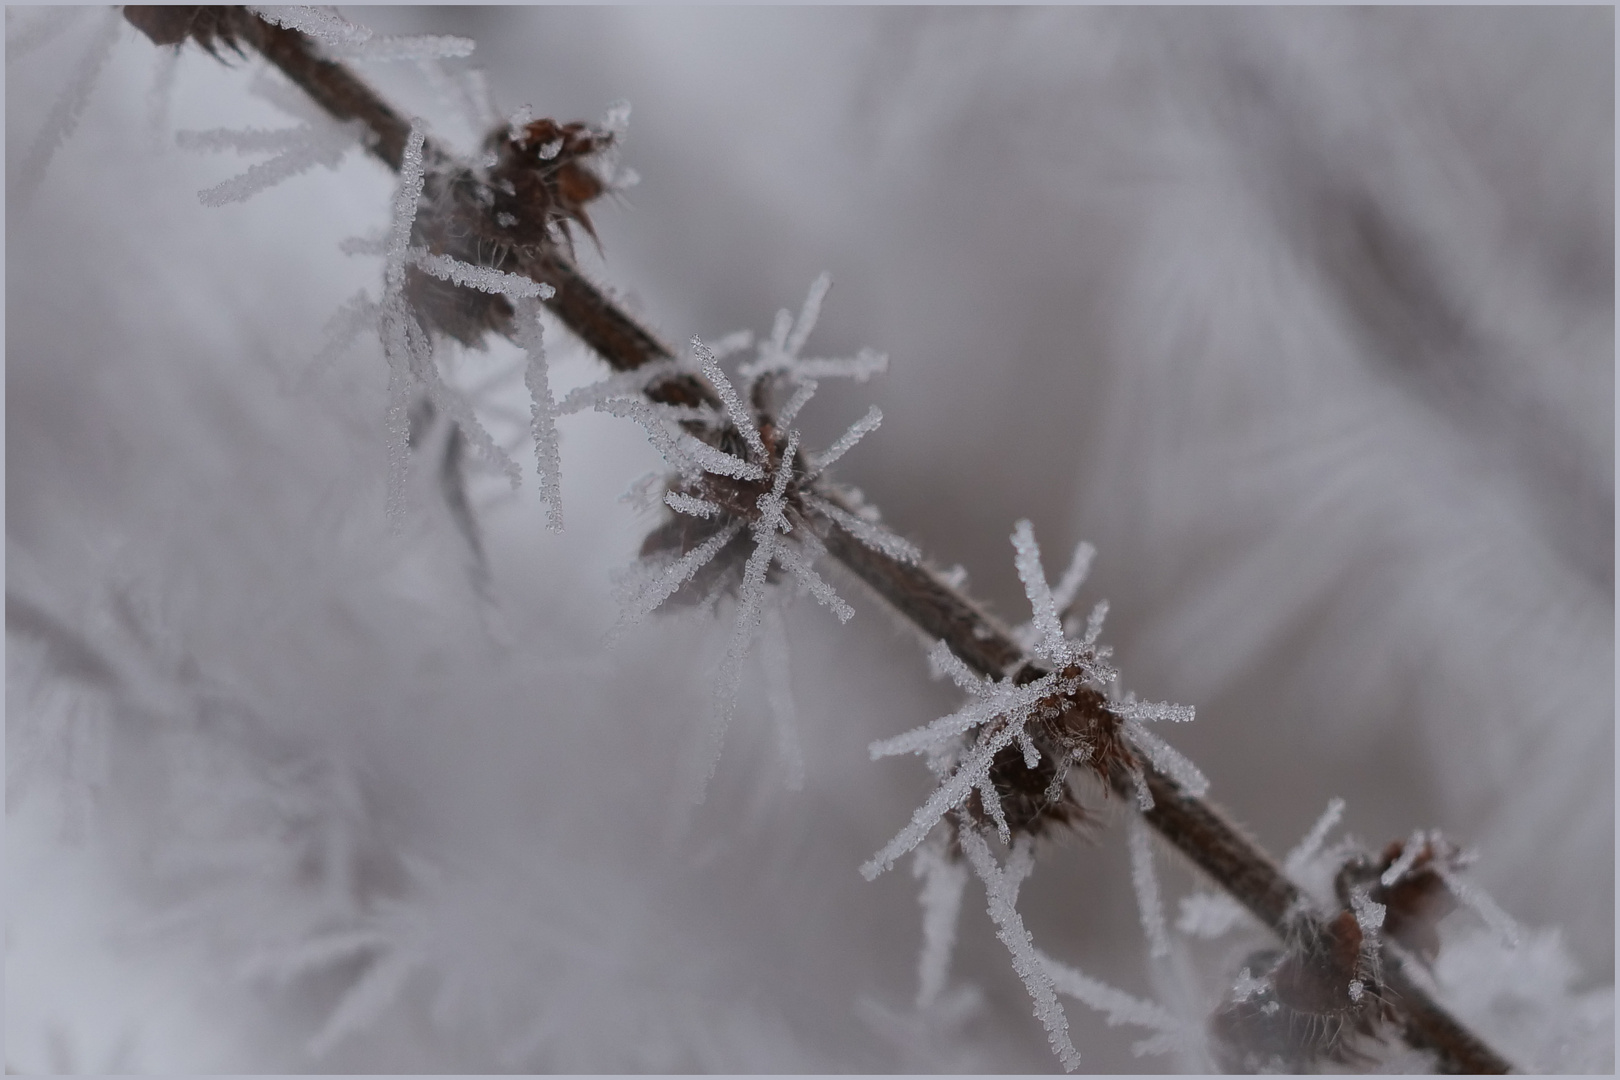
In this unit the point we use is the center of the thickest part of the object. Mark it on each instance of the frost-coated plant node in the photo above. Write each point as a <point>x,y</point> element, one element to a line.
<point>1003,761</point>
<point>1005,756</point>
<point>748,504</point>
<point>1325,998</point>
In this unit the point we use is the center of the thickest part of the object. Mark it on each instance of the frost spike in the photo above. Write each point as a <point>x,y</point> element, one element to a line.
<point>801,397</point>
<point>515,286</point>
<point>366,1000</point>
<point>394,323</point>
<point>1146,885</point>
<point>931,735</point>
<point>1075,576</point>
<point>1409,855</point>
<point>857,431</point>
<point>1010,929</point>
<point>1052,645</point>
<point>1486,908</point>
<point>542,412</point>
<point>621,384</point>
<point>974,771</point>
<point>873,536</point>
<point>1297,859</point>
<point>65,113</point>
<point>1168,760</point>
<point>860,367</point>
<point>808,314</point>
<point>686,504</point>
<point>1117,1006</point>
<point>776,660</point>
<point>750,597</point>
<point>1151,711</point>
<point>325,26</point>
<point>813,582</point>
<point>741,416</point>
<point>999,699</point>
<point>941,900</point>
<point>242,140</point>
<point>647,599</point>
<point>680,448</point>
<point>942,661</point>
<point>418,47</point>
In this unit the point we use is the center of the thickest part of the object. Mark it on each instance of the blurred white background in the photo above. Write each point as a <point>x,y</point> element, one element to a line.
<point>1303,317</point>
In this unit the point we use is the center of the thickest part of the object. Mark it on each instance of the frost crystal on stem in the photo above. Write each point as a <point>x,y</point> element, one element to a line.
<point>941,900</point>
<point>297,150</point>
<point>1055,718</point>
<point>741,469</point>
<point>1012,745</point>
<point>64,115</point>
<point>543,411</point>
<point>1119,1008</point>
<point>1001,885</point>
<point>396,324</point>
<point>1146,883</point>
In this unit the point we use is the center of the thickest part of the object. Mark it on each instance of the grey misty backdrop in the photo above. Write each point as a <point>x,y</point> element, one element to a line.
<point>1304,318</point>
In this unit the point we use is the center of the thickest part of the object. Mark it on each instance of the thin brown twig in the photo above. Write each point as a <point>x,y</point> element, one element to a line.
<point>1190,824</point>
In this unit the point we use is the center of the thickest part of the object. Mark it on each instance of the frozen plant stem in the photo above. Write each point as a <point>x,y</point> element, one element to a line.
<point>938,609</point>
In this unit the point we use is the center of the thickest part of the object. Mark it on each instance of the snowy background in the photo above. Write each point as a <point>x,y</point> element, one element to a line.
<point>1304,318</point>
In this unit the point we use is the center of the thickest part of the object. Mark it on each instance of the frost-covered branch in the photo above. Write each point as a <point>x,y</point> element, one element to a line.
<point>938,608</point>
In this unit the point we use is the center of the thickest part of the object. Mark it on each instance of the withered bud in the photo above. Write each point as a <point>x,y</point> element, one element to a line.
<point>1415,901</point>
<point>1308,1005</point>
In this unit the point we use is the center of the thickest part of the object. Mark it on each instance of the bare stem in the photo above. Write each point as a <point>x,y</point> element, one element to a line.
<point>1192,825</point>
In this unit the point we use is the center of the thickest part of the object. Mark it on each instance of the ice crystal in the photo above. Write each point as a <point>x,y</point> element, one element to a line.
<point>1414,847</point>
<point>1146,885</point>
<point>353,41</point>
<point>941,900</point>
<point>1306,850</point>
<point>1002,704</point>
<point>739,467</point>
<point>1001,885</point>
<point>512,286</point>
<point>1120,1008</point>
<point>1045,717</point>
<point>1482,905</point>
<point>1208,915</point>
<point>401,336</point>
<point>543,409</point>
<point>409,47</point>
<point>297,150</point>
<point>1002,710</point>
<point>323,24</point>
<point>776,660</point>
<point>65,113</point>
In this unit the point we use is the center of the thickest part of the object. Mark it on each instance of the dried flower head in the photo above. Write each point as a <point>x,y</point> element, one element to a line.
<point>543,177</point>
<point>500,215</point>
<point>1319,1000</point>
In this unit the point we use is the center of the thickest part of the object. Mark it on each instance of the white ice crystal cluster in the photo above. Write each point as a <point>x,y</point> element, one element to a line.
<point>411,349</point>
<point>776,510</point>
<point>1003,708</point>
<point>1001,712</point>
